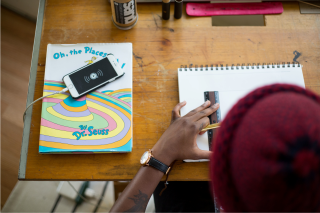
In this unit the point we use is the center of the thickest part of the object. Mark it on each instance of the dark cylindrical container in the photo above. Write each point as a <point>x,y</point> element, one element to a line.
<point>178,6</point>
<point>165,9</point>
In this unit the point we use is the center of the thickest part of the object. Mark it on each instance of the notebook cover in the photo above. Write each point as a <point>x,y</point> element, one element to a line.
<point>222,9</point>
<point>99,122</point>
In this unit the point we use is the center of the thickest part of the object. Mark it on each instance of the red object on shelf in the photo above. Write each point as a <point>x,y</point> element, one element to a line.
<point>222,9</point>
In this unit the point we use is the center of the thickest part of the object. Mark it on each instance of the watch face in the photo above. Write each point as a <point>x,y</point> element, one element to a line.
<point>144,157</point>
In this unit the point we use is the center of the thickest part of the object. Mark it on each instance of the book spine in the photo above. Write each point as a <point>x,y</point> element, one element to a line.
<point>243,66</point>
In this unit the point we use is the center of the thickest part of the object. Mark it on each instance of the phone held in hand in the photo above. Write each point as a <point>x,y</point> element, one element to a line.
<point>92,76</point>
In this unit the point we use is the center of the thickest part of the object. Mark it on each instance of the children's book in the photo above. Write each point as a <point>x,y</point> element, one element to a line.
<point>99,122</point>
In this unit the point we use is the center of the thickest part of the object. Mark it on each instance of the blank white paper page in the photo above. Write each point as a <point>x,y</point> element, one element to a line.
<point>232,85</point>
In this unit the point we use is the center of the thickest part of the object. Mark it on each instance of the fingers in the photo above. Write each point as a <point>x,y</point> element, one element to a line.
<point>176,110</point>
<point>203,154</point>
<point>198,109</point>
<point>201,133</point>
<point>206,112</point>
<point>202,123</point>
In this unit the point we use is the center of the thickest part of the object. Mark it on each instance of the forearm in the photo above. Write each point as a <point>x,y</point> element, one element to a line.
<point>137,194</point>
<point>178,142</point>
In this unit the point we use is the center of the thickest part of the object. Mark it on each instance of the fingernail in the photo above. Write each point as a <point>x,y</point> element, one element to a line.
<point>216,105</point>
<point>206,103</point>
<point>183,102</point>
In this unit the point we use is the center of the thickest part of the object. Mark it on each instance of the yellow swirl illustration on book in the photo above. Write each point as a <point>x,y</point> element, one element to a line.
<point>96,121</point>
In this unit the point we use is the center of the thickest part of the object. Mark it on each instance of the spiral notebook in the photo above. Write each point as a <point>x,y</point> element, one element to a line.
<point>228,84</point>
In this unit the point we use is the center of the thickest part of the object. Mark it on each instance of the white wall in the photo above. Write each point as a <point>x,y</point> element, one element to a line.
<point>27,8</point>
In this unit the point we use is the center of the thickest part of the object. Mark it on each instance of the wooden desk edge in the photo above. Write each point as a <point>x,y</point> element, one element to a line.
<point>31,89</point>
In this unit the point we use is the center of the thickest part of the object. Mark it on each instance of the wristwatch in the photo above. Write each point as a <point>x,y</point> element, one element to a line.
<point>147,159</point>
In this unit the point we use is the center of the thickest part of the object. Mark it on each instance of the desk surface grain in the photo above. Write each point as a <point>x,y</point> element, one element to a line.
<point>159,48</point>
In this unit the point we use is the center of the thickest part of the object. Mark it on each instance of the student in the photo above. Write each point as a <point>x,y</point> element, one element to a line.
<point>266,154</point>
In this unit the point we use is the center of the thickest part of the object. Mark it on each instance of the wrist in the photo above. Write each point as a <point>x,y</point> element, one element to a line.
<point>162,156</point>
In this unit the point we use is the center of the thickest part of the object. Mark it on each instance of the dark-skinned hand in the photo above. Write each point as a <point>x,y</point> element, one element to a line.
<point>179,141</point>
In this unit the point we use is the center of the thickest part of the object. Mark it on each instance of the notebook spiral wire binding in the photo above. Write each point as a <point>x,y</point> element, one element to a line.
<point>243,66</point>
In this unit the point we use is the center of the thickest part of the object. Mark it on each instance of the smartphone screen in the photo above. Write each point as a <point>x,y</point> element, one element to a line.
<point>93,75</point>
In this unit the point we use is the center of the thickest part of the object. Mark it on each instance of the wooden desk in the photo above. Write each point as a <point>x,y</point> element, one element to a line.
<point>159,48</point>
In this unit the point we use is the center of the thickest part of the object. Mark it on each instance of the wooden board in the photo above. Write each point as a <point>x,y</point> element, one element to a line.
<point>159,48</point>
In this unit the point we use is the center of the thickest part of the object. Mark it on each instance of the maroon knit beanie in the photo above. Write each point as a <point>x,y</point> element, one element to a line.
<point>266,154</point>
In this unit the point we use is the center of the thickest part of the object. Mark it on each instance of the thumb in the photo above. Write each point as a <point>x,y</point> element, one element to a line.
<point>176,110</point>
<point>203,154</point>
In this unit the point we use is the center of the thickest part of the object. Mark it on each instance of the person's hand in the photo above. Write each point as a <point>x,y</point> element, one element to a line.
<point>179,142</point>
